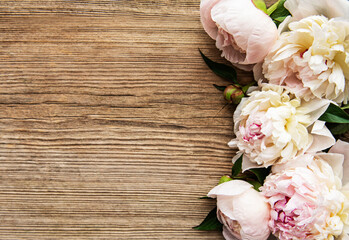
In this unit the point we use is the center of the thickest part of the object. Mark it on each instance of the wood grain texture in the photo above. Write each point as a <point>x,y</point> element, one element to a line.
<point>109,125</point>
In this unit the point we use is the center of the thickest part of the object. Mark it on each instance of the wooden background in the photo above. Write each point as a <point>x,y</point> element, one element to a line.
<point>109,125</point>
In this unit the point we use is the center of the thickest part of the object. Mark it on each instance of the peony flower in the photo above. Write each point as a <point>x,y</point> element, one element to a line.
<point>242,210</point>
<point>272,126</point>
<point>307,199</point>
<point>244,33</point>
<point>312,59</point>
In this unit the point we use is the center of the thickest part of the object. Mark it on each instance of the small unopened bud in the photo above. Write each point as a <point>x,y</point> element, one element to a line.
<point>225,179</point>
<point>233,94</point>
<point>260,4</point>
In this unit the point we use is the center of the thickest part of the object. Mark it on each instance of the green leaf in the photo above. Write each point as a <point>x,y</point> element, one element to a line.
<point>329,117</point>
<point>280,10</point>
<point>205,197</point>
<point>261,173</point>
<point>260,4</point>
<point>272,8</point>
<point>236,167</point>
<point>210,222</point>
<point>256,185</point>
<point>220,69</point>
<point>280,19</point>
<point>335,114</point>
<point>246,87</point>
<point>278,13</point>
<point>338,128</point>
<point>220,88</point>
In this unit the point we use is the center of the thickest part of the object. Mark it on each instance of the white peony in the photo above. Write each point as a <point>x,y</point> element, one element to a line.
<point>272,126</point>
<point>312,59</point>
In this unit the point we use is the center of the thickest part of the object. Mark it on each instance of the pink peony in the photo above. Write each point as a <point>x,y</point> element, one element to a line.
<point>242,210</point>
<point>244,33</point>
<point>306,198</point>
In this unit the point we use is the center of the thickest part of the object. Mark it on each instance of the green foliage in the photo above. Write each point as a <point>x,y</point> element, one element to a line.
<point>236,167</point>
<point>256,185</point>
<point>338,128</point>
<point>210,222</point>
<point>260,173</point>
<point>220,88</point>
<point>278,12</point>
<point>335,114</point>
<point>220,69</point>
<point>205,197</point>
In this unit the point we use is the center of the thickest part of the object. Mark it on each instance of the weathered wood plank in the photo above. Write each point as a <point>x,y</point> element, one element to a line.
<point>110,127</point>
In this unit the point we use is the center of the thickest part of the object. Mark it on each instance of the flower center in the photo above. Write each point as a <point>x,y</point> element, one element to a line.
<point>253,132</point>
<point>284,217</point>
<point>302,53</point>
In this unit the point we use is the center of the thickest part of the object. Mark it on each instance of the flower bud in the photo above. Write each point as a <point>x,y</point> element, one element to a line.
<point>233,94</point>
<point>225,179</point>
<point>260,4</point>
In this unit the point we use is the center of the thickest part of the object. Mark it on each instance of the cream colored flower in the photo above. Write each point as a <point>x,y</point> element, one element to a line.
<point>273,126</point>
<point>312,59</point>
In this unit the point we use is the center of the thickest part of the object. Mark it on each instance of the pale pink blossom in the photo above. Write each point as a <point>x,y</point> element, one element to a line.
<point>242,32</point>
<point>273,126</point>
<point>242,210</point>
<point>307,198</point>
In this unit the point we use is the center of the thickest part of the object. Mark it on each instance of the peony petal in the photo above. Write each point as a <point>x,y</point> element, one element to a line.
<point>342,148</point>
<point>283,27</point>
<point>248,164</point>
<point>314,108</point>
<point>252,213</point>
<point>206,19</point>
<point>286,52</point>
<point>231,188</point>
<point>265,31</point>
<point>258,72</point>
<point>301,161</point>
<point>322,137</point>
<point>335,160</point>
<point>227,234</point>
<point>345,234</point>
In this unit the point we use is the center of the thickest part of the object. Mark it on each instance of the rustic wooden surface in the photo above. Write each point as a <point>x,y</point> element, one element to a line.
<point>109,125</point>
